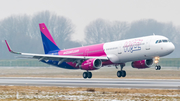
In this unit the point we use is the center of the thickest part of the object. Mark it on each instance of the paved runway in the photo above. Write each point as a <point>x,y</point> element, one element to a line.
<point>105,83</point>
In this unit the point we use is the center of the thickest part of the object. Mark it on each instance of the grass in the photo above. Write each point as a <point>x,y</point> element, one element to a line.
<point>24,93</point>
<point>20,93</point>
<point>107,72</point>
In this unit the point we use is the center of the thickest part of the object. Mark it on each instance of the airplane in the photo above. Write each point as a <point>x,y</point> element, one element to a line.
<point>141,51</point>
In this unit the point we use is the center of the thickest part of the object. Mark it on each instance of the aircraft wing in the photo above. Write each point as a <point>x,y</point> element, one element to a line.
<point>61,58</point>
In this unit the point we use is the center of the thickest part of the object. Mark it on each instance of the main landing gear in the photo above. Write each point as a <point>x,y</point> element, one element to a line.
<point>87,75</point>
<point>121,73</point>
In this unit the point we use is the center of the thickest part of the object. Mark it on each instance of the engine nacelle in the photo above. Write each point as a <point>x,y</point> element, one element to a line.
<point>91,64</point>
<point>142,64</point>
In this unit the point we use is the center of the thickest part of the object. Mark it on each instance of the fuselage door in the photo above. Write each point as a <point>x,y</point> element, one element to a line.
<point>119,50</point>
<point>86,52</point>
<point>148,44</point>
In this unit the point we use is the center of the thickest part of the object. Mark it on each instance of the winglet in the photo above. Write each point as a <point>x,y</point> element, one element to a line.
<point>8,46</point>
<point>10,49</point>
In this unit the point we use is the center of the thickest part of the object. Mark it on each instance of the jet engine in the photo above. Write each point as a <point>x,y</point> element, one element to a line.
<point>142,64</point>
<point>91,64</point>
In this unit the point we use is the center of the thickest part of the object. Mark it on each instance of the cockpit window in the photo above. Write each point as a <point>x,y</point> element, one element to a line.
<point>160,41</point>
<point>165,40</point>
<point>157,41</point>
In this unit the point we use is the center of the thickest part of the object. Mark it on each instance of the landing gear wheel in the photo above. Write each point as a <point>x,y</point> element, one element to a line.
<point>85,75</point>
<point>123,73</point>
<point>118,73</point>
<point>158,67</point>
<point>89,74</point>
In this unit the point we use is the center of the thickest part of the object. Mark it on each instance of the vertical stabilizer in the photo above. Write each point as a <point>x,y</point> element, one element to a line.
<point>48,42</point>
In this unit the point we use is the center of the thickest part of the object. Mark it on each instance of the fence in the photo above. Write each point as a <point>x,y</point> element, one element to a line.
<point>22,63</point>
<point>165,62</point>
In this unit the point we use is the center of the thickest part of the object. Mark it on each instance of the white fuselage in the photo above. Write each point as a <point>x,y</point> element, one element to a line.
<point>138,49</point>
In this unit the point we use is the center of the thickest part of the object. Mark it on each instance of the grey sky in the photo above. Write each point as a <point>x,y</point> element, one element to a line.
<point>82,12</point>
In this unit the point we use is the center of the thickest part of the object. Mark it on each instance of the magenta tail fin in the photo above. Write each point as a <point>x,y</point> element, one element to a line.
<point>48,42</point>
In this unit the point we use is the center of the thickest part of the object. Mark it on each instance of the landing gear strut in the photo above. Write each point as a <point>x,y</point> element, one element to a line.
<point>121,73</point>
<point>158,67</point>
<point>87,75</point>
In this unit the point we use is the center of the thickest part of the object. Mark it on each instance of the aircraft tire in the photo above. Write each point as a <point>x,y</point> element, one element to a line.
<point>89,75</point>
<point>156,67</point>
<point>123,73</point>
<point>159,67</point>
<point>85,75</point>
<point>119,73</point>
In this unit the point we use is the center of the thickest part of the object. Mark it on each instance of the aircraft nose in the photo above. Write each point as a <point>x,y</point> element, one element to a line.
<point>171,47</point>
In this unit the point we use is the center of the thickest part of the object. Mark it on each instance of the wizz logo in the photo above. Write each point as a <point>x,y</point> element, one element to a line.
<point>133,45</point>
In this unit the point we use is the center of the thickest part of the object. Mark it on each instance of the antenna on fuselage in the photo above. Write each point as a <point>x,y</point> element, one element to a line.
<point>153,34</point>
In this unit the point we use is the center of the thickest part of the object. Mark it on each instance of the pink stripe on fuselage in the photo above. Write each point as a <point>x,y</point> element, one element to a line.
<point>46,32</point>
<point>93,50</point>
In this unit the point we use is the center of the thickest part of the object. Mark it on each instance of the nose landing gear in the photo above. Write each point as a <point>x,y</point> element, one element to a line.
<point>157,67</point>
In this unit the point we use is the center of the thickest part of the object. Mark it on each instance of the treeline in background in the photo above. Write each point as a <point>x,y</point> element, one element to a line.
<point>23,34</point>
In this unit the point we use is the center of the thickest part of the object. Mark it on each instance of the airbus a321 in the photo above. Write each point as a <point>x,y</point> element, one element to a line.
<point>141,51</point>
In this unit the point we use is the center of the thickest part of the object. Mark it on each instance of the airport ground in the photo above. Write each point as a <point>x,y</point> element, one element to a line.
<point>24,93</point>
<point>87,93</point>
<point>104,72</point>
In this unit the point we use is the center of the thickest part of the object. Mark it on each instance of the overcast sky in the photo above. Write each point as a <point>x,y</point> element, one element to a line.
<point>82,12</point>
